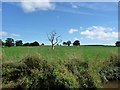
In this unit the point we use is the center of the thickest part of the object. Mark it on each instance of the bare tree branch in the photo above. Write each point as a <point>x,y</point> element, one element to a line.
<point>53,39</point>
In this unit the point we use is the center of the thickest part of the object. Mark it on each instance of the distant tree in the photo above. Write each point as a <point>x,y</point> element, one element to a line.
<point>3,43</point>
<point>42,44</point>
<point>68,43</point>
<point>76,43</point>
<point>18,43</point>
<point>9,42</point>
<point>34,44</point>
<point>117,43</point>
<point>31,44</point>
<point>54,40</point>
<point>64,43</point>
<point>26,44</point>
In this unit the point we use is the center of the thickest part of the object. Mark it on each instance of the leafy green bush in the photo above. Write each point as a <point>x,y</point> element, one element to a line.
<point>80,69</point>
<point>110,70</point>
<point>33,72</point>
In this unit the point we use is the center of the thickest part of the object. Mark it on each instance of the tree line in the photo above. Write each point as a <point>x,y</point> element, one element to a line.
<point>10,42</point>
<point>75,43</point>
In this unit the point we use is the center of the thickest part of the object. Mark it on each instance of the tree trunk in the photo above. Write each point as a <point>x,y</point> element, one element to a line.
<point>53,46</point>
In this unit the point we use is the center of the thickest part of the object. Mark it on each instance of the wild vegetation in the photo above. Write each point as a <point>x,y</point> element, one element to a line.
<point>64,68</point>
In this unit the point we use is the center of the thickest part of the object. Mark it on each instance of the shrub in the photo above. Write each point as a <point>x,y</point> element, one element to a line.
<point>80,69</point>
<point>110,70</point>
<point>33,72</point>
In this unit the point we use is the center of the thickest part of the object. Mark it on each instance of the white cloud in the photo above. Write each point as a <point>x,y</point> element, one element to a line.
<point>76,38</point>
<point>15,35</point>
<point>72,30</point>
<point>72,11</point>
<point>32,5</point>
<point>96,6</point>
<point>74,6</point>
<point>3,33</point>
<point>99,33</point>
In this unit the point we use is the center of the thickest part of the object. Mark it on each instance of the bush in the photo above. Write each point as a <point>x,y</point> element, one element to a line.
<point>110,70</point>
<point>33,72</point>
<point>80,69</point>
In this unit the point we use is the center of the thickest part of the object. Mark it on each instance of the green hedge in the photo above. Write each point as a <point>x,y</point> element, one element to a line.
<point>33,72</point>
<point>111,69</point>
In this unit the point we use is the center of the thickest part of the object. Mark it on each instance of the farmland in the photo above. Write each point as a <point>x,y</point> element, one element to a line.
<point>65,67</point>
<point>87,52</point>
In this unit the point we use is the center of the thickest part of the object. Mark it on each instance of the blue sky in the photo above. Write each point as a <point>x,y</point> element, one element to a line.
<point>90,22</point>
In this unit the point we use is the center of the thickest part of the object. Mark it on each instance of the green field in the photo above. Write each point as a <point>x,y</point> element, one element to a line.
<point>60,52</point>
<point>64,67</point>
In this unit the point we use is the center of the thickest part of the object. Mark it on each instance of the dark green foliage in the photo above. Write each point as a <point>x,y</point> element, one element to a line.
<point>64,43</point>
<point>19,43</point>
<point>26,44</point>
<point>34,44</point>
<point>31,44</point>
<point>111,69</point>
<point>42,44</point>
<point>80,69</point>
<point>76,43</point>
<point>117,43</point>
<point>9,42</point>
<point>68,43</point>
<point>36,73</point>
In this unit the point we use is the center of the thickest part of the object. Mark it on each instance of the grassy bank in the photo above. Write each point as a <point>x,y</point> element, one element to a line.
<point>65,67</point>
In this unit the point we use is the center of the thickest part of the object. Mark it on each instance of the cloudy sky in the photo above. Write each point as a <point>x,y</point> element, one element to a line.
<point>90,22</point>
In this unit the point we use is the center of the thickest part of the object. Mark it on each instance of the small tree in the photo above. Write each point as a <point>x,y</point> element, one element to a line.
<point>68,43</point>
<point>34,44</point>
<point>76,43</point>
<point>117,43</point>
<point>54,39</point>
<point>42,44</point>
<point>9,42</point>
<point>19,43</point>
<point>65,43</point>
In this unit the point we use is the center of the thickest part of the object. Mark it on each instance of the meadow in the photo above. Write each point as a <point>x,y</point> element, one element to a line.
<point>64,67</point>
<point>61,52</point>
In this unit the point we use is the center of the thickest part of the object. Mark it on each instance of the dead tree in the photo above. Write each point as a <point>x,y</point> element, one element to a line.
<point>54,39</point>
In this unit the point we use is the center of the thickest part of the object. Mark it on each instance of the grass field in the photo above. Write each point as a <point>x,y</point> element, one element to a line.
<point>60,52</point>
<point>66,67</point>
